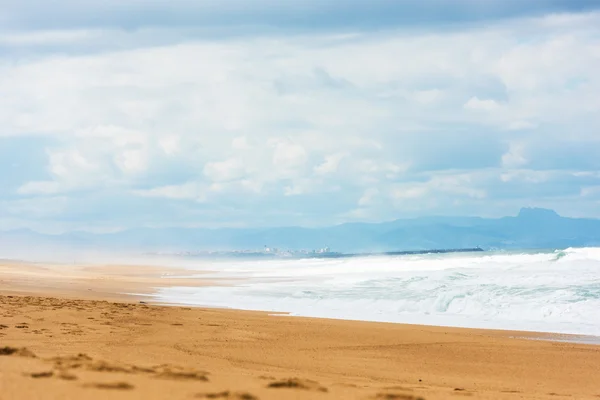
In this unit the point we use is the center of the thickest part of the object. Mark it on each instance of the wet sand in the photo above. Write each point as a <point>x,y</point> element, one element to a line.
<point>69,332</point>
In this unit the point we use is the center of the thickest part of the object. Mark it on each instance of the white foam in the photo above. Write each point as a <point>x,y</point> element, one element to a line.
<point>537,291</point>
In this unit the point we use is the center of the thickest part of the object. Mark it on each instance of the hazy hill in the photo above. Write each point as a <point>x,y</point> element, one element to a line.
<point>531,228</point>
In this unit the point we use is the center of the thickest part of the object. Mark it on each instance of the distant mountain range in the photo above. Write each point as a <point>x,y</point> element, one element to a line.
<point>531,228</point>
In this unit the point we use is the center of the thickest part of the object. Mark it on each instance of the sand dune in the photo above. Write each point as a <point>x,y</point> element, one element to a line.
<point>64,347</point>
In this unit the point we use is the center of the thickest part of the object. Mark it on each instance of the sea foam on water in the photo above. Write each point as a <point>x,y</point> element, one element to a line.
<point>547,291</point>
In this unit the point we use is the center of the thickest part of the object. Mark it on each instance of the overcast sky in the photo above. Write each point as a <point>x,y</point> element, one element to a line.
<point>130,113</point>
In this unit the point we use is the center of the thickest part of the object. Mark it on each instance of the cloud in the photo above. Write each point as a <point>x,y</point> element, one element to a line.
<point>41,38</point>
<point>514,157</point>
<point>527,176</point>
<point>288,155</point>
<point>409,192</point>
<point>369,197</point>
<point>39,187</point>
<point>591,191</point>
<point>190,190</point>
<point>170,144</point>
<point>521,125</point>
<point>39,208</point>
<point>428,96</point>
<point>226,170</point>
<point>283,126</point>
<point>460,184</point>
<point>22,159</point>
<point>327,14</point>
<point>475,103</point>
<point>330,165</point>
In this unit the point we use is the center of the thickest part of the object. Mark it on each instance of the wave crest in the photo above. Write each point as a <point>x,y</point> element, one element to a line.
<point>552,291</point>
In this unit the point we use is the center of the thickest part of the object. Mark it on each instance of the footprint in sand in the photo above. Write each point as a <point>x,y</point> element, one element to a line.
<point>13,351</point>
<point>66,376</point>
<point>110,385</point>
<point>396,396</point>
<point>227,395</point>
<point>177,373</point>
<point>462,392</point>
<point>399,388</point>
<point>45,374</point>
<point>83,361</point>
<point>295,383</point>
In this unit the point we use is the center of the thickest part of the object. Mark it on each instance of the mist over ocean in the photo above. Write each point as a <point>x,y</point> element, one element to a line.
<point>542,290</point>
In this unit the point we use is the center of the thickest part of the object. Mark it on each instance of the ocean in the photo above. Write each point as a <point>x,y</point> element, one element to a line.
<point>543,290</point>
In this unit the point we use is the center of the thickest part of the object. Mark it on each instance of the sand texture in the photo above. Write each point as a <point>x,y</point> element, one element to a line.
<point>55,346</point>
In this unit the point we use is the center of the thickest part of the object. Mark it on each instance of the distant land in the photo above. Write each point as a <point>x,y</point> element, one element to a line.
<point>531,228</point>
<point>270,254</point>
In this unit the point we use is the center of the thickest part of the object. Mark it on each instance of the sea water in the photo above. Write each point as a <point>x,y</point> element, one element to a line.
<point>546,291</point>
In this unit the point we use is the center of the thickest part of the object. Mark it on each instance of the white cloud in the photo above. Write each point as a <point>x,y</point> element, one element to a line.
<point>244,186</point>
<point>170,144</point>
<point>203,87</point>
<point>475,103</point>
<point>454,184</point>
<point>226,170</point>
<point>294,190</point>
<point>68,162</point>
<point>39,187</point>
<point>36,208</point>
<point>186,191</point>
<point>586,174</point>
<point>288,155</point>
<point>71,169</point>
<point>54,37</point>
<point>240,143</point>
<point>376,169</point>
<point>132,161</point>
<point>590,191</point>
<point>330,165</point>
<point>428,96</point>
<point>460,184</point>
<point>523,175</point>
<point>514,157</point>
<point>521,125</point>
<point>369,197</point>
<point>410,192</point>
<point>357,214</point>
<point>278,114</point>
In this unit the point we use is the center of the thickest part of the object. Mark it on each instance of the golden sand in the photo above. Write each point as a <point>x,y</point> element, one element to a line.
<point>61,339</point>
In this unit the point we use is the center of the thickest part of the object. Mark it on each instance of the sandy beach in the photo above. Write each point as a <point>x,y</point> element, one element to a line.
<point>69,332</point>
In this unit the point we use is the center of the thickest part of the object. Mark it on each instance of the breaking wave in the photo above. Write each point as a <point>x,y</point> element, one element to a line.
<point>548,291</point>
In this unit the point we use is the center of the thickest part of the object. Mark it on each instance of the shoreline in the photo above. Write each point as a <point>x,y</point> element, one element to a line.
<point>138,283</point>
<point>73,335</point>
<point>590,340</point>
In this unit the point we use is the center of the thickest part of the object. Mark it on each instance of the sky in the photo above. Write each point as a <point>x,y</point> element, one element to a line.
<point>128,114</point>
